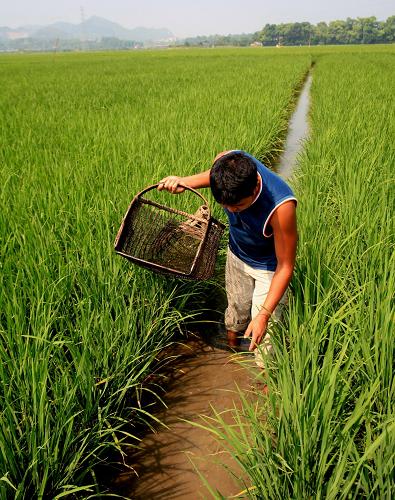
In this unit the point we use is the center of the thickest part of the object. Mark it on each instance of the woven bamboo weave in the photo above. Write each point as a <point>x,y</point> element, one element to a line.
<point>168,240</point>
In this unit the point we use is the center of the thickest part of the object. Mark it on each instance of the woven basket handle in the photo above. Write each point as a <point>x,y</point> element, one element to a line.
<point>154,186</point>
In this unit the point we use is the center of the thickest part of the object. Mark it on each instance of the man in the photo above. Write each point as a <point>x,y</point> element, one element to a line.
<point>261,209</point>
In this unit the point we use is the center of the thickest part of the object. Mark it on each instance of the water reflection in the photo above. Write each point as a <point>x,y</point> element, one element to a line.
<point>297,132</point>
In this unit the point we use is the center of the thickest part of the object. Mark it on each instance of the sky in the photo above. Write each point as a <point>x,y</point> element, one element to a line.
<point>190,18</point>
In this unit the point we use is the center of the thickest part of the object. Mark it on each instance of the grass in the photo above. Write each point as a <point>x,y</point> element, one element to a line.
<point>81,328</point>
<point>328,428</point>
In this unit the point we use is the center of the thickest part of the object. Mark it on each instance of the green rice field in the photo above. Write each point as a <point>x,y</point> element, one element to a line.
<point>328,428</point>
<point>81,328</point>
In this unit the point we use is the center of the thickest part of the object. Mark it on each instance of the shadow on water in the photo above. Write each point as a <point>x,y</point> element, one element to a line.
<point>298,130</point>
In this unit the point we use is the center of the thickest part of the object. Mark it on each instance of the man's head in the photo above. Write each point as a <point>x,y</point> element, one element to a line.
<point>234,181</point>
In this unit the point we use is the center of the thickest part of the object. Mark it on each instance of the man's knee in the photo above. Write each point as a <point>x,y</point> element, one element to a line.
<point>237,316</point>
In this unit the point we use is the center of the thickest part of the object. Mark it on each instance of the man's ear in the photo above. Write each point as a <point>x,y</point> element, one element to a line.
<point>258,184</point>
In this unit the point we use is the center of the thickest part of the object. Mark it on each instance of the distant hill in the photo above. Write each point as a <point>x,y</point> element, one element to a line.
<point>145,34</point>
<point>94,28</point>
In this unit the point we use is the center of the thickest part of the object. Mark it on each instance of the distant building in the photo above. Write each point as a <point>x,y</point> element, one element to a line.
<point>256,44</point>
<point>165,42</point>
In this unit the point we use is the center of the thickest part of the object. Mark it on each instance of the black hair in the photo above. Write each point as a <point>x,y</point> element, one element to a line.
<point>232,178</point>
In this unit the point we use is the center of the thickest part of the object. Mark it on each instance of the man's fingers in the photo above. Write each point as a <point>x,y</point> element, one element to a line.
<point>162,183</point>
<point>254,342</point>
<point>171,184</point>
<point>248,331</point>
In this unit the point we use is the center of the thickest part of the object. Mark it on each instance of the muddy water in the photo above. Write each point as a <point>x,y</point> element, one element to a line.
<point>297,132</point>
<point>165,467</point>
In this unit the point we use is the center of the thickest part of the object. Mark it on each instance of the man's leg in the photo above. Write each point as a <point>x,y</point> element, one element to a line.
<point>263,280</point>
<point>239,291</point>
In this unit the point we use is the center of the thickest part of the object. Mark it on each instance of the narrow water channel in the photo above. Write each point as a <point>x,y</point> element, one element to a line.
<point>165,465</point>
<point>298,130</point>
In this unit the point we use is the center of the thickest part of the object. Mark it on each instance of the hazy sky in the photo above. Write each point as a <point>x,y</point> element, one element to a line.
<point>184,17</point>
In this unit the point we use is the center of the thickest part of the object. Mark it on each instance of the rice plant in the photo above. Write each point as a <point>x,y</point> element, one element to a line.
<point>327,430</point>
<point>79,327</point>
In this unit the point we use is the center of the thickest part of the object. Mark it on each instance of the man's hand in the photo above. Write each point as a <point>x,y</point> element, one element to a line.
<point>171,184</point>
<point>257,328</point>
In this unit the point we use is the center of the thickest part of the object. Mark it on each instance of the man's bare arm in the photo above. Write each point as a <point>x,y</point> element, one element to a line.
<point>197,181</point>
<point>173,183</point>
<point>283,222</point>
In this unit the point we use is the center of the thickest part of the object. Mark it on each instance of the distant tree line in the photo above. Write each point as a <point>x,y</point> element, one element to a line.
<point>243,40</point>
<point>350,31</point>
<point>47,45</point>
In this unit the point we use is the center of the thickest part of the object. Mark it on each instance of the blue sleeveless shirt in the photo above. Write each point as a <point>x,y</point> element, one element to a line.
<point>250,234</point>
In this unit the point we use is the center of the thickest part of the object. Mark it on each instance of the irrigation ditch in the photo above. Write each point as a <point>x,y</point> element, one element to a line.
<point>174,455</point>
